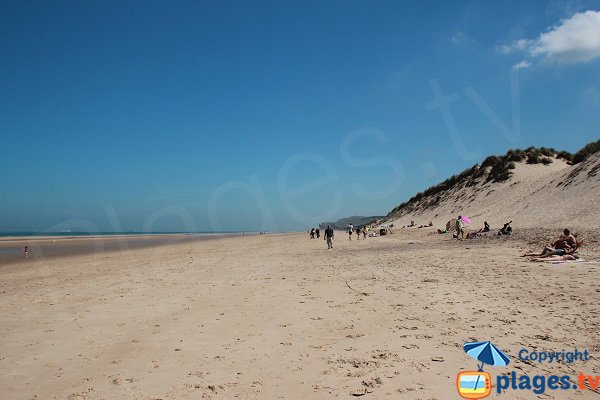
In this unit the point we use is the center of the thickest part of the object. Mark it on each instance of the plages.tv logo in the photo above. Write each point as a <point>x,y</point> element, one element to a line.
<point>478,384</point>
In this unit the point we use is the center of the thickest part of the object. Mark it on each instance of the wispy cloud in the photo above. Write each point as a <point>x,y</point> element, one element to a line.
<point>522,65</point>
<point>574,40</point>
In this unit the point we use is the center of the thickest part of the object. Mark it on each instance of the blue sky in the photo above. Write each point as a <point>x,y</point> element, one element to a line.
<point>186,115</point>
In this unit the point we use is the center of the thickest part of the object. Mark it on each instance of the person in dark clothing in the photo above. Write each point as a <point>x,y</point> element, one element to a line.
<point>506,229</point>
<point>328,236</point>
<point>318,232</point>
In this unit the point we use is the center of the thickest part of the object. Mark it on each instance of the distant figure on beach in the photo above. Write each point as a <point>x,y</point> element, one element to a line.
<point>506,229</point>
<point>364,232</point>
<point>318,232</point>
<point>26,251</point>
<point>328,236</point>
<point>350,231</point>
<point>358,229</point>
<point>459,228</point>
<point>481,232</point>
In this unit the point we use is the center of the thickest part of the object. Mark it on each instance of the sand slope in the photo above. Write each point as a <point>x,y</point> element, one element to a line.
<point>536,195</point>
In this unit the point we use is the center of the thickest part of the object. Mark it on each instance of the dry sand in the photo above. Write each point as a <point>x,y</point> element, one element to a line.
<point>268,317</point>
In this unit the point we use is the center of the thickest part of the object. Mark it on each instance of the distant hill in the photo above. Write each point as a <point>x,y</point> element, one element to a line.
<point>342,224</point>
<point>533,187</point>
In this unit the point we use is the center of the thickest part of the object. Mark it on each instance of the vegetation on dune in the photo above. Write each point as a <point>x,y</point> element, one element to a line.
<point>493,169</point>
<point>587,150</point>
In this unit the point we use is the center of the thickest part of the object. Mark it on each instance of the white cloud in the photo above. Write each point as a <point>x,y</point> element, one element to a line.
<point>522,65</point>
<point>576,39</point>
<point>517,45</point>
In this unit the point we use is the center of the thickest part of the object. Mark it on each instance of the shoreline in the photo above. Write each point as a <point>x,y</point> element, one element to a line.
<point>42,247</point>
<point>8,238</point>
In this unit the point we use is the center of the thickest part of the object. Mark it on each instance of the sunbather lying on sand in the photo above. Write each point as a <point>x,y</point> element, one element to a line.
<point>566,257</point>
<point>551,251</point>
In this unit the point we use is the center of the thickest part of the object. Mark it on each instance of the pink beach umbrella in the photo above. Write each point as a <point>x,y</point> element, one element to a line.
<point>466,220</point>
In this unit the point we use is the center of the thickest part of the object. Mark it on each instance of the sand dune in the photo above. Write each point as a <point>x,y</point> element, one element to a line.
<point>551,195</point>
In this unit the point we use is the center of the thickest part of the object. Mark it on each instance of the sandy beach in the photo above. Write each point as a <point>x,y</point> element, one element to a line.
<point>165,164</point>
<point>280,316</point>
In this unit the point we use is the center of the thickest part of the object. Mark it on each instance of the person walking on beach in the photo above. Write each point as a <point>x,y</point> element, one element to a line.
<point>318,232</point>
<point>26,251</point>
<point>350,231</point>
<point>328,236</point>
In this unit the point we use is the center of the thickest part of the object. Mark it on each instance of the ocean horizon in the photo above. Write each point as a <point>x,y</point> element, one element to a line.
<point>124,233</point>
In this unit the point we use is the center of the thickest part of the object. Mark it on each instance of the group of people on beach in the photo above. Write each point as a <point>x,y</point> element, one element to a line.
<point>458,227</point>
<point>358,231</point>
<point>562,249</point>
<point>412,224</point>
<point>328,234</point>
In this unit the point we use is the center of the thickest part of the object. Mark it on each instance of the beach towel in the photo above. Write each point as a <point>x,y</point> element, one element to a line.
<point>579,261</point>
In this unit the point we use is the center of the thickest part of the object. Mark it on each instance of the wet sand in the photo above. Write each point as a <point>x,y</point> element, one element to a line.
<point>41,247</point>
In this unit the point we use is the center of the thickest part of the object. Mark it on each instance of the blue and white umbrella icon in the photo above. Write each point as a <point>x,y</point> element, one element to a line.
<point>487,353</point>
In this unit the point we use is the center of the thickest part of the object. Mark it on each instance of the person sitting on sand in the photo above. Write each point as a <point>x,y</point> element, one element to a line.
<point>566,240</point>
<point>566,257</point>
<point>481,232</point>
<point>506,229</point>
<point>486,227</point>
